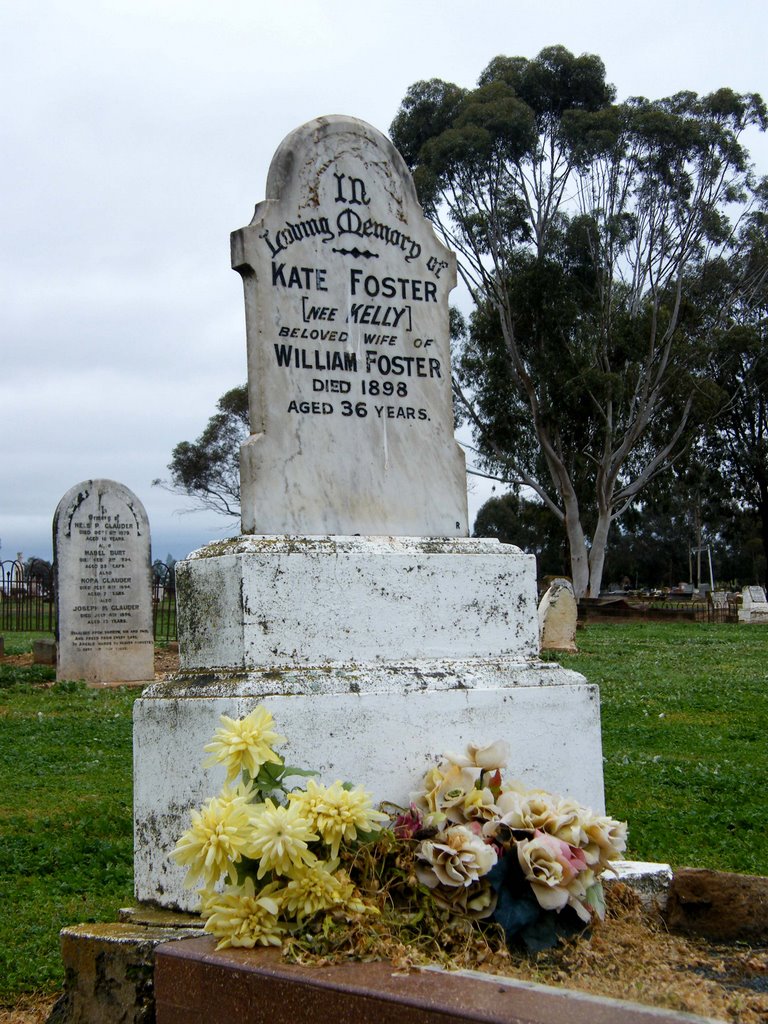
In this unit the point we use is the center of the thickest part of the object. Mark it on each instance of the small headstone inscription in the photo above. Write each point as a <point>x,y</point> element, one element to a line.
<point>103,584</point>
<point>346,299</point>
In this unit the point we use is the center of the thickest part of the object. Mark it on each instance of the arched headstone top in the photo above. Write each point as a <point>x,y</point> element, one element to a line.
<point>349,375</point>
<point>295,164</point>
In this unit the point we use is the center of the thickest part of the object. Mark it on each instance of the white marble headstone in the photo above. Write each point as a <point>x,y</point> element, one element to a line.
<point>103,584</point>
<point>346,298</point>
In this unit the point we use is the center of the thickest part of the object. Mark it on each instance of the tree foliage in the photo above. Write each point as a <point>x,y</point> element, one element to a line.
<point>736,443</point>
<point>208,469</point>
<point>583,227</point>
<point>530,525</point>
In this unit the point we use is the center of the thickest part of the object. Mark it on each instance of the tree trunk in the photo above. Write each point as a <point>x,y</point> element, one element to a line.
<point>597,553</point>
<point>577,544</point>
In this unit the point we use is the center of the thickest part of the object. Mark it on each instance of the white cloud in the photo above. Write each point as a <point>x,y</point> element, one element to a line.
<point>136,135</point>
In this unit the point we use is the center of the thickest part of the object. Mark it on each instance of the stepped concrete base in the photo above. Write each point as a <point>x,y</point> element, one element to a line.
<point>375,656</point>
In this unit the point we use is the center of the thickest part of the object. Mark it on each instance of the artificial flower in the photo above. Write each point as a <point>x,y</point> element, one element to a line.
<point>531,810</point>
<point>446,792</point>
<point>279,838</point>
<point>245,792</point>
<point>455,857</point>
<point>550,865</point>
<point>489,757</point>
<point>241,916</point>
<point>336,812</point>
<point>479,805</point>
<point>217,839</point>
<point>244,744</point>
<point>408,823</point>
<point>476,901</point>
<point>312,887</point>
<point>608,835</point>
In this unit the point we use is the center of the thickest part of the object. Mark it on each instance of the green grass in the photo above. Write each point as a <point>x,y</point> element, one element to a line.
<point>66,851</point>
<point>685,719</point>
<point>685,738</point>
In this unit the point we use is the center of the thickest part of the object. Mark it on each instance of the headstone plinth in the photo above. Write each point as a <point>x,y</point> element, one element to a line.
<point>375,655</point>
<point>353,605</point>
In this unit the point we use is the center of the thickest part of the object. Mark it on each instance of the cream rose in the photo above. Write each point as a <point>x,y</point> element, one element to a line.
<point>455,857</point>
<point>606,840</point>
<point>546,870</point>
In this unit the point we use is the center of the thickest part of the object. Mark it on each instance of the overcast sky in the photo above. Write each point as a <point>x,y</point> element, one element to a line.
<point>136,134</point>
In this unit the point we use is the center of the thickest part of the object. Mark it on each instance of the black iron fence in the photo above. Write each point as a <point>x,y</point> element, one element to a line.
<point>26,598</point>
<point>27,603</point>
<point>164,601</point>
<point>721,608</point>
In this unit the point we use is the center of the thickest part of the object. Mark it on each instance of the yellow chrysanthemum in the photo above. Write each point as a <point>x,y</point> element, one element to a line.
<point>309,801</point>
<point>279,838</point>
<point>218,837</point>
<point>242,791</point>
<point>337,813</point>
<point>312,887</point>
<point>244,744</point>
<point>240,916</point>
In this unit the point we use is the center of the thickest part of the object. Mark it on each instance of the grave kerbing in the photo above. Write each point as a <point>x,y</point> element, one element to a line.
<point>353,604</point>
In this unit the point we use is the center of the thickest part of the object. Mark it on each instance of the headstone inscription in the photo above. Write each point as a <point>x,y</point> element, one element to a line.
<point>103,584</point>
<point>346,296</point>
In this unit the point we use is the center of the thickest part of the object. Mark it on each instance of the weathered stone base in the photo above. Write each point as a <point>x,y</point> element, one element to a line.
<point>384,740</point>
<point>375,655</point>
<point>109,970</point>
<point>754,616</point>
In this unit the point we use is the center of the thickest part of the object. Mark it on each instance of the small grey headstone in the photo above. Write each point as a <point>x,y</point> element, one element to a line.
<point>103,584</point>
<point>558,614</point>
<point>349,367</point>
<point>44,652</point>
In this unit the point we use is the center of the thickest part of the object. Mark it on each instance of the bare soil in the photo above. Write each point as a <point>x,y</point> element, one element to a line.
<point>166,663</point>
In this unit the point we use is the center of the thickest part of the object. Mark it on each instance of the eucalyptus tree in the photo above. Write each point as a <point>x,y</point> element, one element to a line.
<point>736,443</point>
<point>579,224</point>
<point>208,469</point>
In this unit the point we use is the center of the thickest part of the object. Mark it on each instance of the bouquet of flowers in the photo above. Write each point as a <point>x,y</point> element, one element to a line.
<point>305,860</point>
<point>527,859</point>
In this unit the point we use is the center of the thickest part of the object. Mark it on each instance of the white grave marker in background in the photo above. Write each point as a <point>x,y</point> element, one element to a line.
<point>103,584</point>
